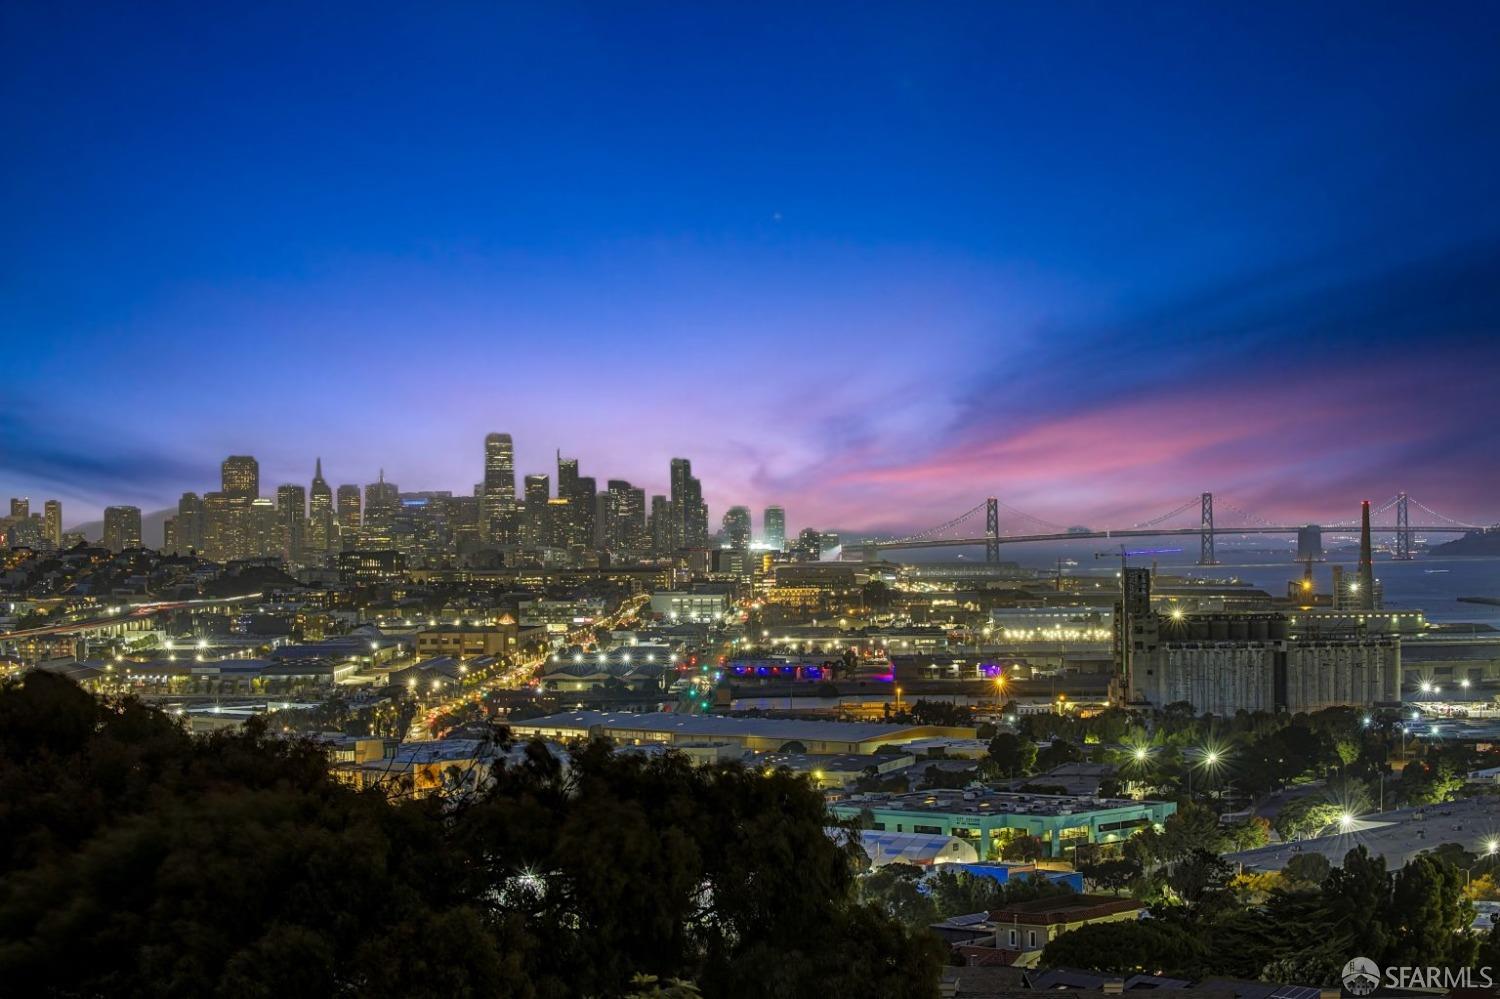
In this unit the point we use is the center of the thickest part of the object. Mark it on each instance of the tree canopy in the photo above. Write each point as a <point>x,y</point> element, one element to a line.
<point>136,859</point>
<point>1299,927</point>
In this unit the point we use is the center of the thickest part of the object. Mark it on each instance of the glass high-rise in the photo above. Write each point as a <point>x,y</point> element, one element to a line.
<point>497,499</point>
<point>735,530</point>
<point>349,515</point>
<point>773,525</point>
<point>291,520</point>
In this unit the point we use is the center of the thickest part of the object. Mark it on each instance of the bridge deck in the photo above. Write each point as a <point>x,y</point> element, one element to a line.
<point>1144,532</point>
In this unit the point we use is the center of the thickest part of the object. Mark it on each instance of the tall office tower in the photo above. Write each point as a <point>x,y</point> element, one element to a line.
<point>584,500</point>
<point>625,511</point>
<point>736,528</point>
<point>603,512</point>
<point>695,516</point>
<point>122,527</point>
<point>188,524</point>
<point>809,545</point>
<point>612,534</point>
<point>52,522</point>
<point>567,475</point>
<point>498,500</point>
<point>381,500</point>
<point>573,525</point>
<point>239,476</point>
<point>229,530</point>
<point>560,521</point>
<point>264,533</point>
<point>320,516</point>
<point>535,529</point>
<point>1365,598</point>
<point>689,513</point>
<point>291,521</point>
<point>633,517</point>
<point>698,526</point>
<point>20,507</point>
<point>773,522</point>
<point>349,520</point>
<point>681,475</point>
<point>660,526</point>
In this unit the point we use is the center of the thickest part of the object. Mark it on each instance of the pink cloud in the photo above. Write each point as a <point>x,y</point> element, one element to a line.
<point>1301,447</point>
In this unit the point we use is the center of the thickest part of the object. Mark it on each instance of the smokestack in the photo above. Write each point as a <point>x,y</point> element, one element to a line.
<point>1366,560</point>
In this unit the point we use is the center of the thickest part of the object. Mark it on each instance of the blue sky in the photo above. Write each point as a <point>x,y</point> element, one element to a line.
<point>869,261</point>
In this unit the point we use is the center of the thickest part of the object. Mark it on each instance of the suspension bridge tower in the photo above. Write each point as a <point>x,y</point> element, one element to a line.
<point>1206,533</point>
<point>1404,546</point>
<point>992,530</point>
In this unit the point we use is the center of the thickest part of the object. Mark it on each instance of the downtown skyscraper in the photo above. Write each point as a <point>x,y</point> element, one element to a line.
<point>773,528</point>
<point>52,522</point>
<point>497,493</point>
<point>689,514</point>
<point>122,528</point>
<point>239,477</point>
<point>735,530</point>
<point>291,520</point>
<point>321,521</point>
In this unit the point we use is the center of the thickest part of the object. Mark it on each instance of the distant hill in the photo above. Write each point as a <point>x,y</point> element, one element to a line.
<point>1473,543</point>
<point>152,528</point>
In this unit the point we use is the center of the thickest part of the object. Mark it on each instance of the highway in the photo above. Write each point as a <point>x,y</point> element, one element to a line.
<point>123,615</point>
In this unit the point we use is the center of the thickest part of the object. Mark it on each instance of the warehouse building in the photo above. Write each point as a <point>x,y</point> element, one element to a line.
<point>760,735</point>
<point>1224,663</point>
<point>986,817</point>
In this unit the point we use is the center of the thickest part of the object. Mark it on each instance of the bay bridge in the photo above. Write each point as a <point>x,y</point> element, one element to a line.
<point>1019,528</point>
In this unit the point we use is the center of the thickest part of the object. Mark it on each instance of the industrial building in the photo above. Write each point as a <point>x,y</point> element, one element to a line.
<point>983,816</point>
<point>910,848</point>
<point>1227,661</point>
<point>1298,660</point>
<point>1223,663</point>
<point>702,603</point>
<point>748,734</point>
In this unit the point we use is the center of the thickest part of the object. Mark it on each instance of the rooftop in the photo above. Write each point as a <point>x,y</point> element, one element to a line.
<point>723,726</point>
<point>1064,909</point>
<point>948,800</point>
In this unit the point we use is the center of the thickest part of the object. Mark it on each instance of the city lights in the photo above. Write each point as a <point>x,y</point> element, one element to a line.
<point>750,501</point>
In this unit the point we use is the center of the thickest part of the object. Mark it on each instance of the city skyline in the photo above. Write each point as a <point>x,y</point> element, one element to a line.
<point>871,303</point>
<point>769,520</point>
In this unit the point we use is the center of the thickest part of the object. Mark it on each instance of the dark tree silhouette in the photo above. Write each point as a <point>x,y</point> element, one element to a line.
<point>137,860</point>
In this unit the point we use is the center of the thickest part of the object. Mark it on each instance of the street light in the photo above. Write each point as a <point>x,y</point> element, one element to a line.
<point>1207,758</point>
